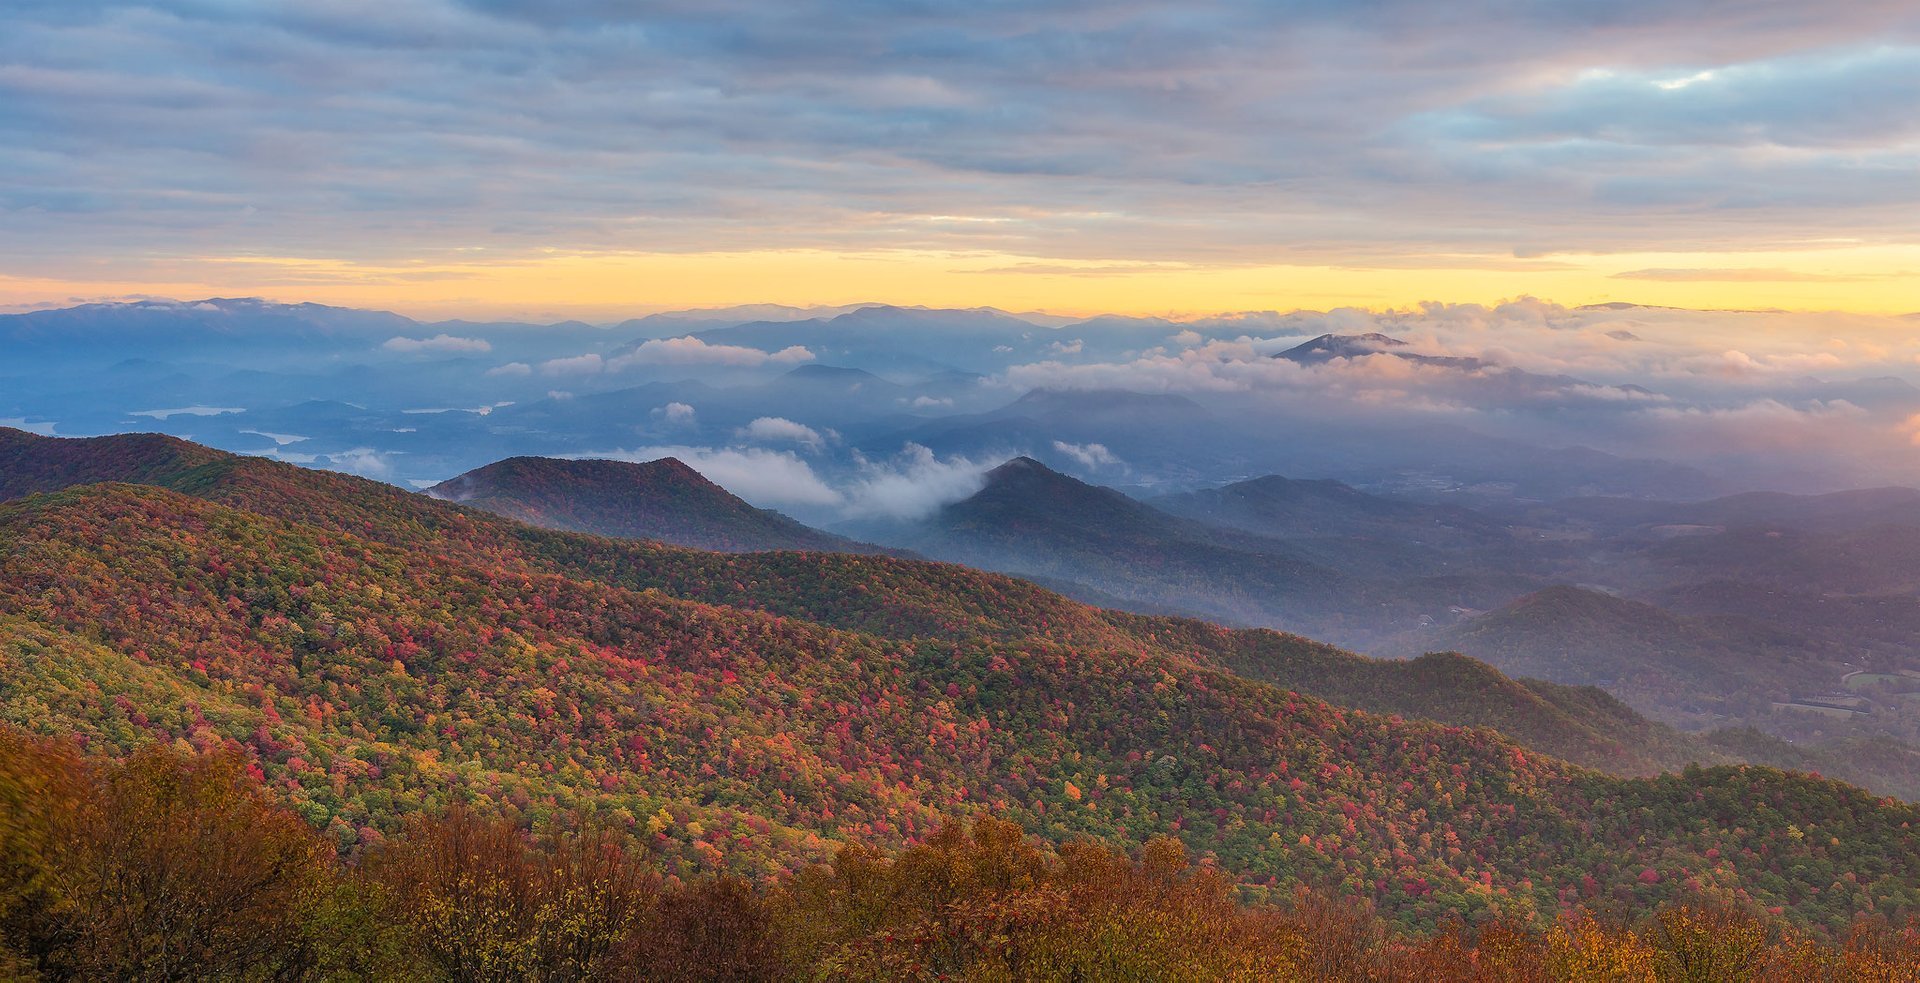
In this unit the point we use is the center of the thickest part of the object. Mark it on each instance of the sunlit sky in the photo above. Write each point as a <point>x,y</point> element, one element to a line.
<point>496,158</point>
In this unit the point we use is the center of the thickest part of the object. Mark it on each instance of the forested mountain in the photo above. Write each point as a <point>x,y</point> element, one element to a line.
<point>1680,665</point>
<point>1298,508</point>
<point>375,653</point>
<point>1241,555</point>
<point>662,500</point>
<point>1031,520</point>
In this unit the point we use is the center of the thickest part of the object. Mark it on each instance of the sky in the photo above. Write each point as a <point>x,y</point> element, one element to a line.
<point>602,158</point>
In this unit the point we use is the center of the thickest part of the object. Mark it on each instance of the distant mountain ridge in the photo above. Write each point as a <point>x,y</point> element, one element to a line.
<point>662,500</point>
<point>1662,660</point>
<point>1030,520</point>
<point>1274,505</point>
<point>233,321</point>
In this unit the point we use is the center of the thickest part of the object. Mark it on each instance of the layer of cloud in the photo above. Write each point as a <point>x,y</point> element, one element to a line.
<point>913,484</point>
<point>1809,400</point>
<point>907,485</point>
<point>440,344</point>
<point>364,461</point>
<point>1741,275</point>
<point>767,478</point>
<point>279,439</point>
<point>589,364</point>
<point>693,351</point>
<point>171,412</point>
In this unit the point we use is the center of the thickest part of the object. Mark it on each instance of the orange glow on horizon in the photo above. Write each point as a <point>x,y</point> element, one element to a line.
<point>611,286</point>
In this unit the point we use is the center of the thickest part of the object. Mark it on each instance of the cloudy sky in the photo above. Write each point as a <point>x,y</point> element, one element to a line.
<point>604,157</point>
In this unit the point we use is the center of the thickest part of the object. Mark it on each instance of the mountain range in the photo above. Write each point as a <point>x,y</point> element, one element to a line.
<point>1698,672</point>
<point>375,651</point>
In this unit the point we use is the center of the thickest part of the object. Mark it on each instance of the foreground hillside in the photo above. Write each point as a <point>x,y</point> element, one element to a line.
<point>219,881</point>
<point>370,682</point>
<point>376,654</point>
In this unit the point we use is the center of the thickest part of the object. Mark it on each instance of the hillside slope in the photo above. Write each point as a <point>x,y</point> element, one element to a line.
<point>369,680</point>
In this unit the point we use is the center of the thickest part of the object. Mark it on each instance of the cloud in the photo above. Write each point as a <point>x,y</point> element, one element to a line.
<point>440,344</point>
<point>510,370</point>
<point>1807,101</point>
<point>166,414</point>
<point>485,409</point>
<point>1090,456</point>
<point>910,484</point>
<point>1093,139</point>
<point>1772,398</point>
<point>282,454</point>
<point>767,478</point>
<point>1776,430</point>
<point>1746,275</point>
<point>677,414</point>
<point>364,461</point>
<point>1736,364</point>
<point>913,484</point>
<point>780,429</point>
<point>589,364</point>
<point>280,439</point>
<point>1090,270</point>
<point>1521,353</point>
<point>693,351</point>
